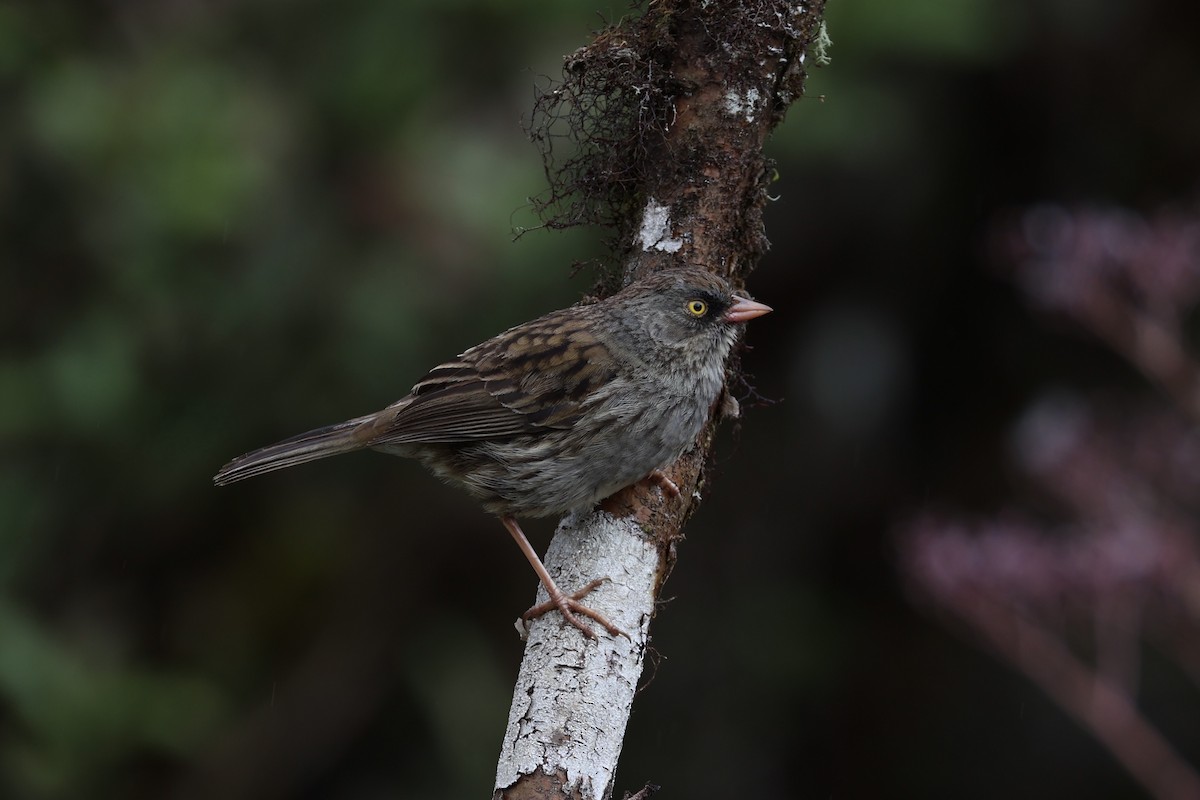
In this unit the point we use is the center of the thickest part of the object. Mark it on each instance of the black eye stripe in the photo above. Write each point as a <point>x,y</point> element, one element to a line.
<point>716,305</point>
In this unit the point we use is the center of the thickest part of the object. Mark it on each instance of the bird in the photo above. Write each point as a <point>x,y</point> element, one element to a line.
<point>556,414</point>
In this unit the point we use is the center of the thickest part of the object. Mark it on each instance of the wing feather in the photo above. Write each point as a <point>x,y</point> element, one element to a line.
<point>530,378</point>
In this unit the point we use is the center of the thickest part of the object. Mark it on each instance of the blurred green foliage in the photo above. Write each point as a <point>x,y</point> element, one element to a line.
<point>224,223</point>
<point>81,715</point>
<point>211,216</point>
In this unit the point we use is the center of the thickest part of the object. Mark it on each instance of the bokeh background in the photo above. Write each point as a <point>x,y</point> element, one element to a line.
<point>223,223</point>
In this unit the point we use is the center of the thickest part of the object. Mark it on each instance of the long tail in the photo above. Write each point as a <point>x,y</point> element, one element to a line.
<point>320,443</point>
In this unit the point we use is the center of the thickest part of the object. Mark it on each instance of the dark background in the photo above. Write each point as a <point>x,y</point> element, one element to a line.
<point>224,223</point>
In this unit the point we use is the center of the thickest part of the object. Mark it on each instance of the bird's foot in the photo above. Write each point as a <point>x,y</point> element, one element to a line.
<point>568,605</point>
<point>659,478</point>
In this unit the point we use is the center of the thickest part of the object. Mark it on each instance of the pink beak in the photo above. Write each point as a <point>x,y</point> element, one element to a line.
<point>744,309</point>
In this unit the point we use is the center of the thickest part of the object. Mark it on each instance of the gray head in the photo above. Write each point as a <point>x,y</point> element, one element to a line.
<point>682,320</point>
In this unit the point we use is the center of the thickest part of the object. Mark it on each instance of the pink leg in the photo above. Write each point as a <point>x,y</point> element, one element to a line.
<point>566,604</point>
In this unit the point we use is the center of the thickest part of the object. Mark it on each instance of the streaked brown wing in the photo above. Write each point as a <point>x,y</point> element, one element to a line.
<point>532,377</point>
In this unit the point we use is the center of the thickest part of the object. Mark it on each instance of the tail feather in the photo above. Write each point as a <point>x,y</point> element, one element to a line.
<point>320,443</point>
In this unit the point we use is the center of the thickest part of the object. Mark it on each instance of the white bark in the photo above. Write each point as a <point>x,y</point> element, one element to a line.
<point>573,696</point>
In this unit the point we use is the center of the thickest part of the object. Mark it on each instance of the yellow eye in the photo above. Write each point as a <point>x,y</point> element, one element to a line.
<point>697,308</point>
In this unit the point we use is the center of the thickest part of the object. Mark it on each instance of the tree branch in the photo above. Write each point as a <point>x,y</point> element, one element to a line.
<point>671,111</point>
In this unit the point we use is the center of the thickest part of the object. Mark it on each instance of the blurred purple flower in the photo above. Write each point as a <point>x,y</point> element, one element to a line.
<point>1073,260</point>
<point>1123,561</point>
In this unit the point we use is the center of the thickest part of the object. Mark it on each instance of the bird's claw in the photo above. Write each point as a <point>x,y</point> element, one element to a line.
<point>568,606</point>
<point>660,479</point>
